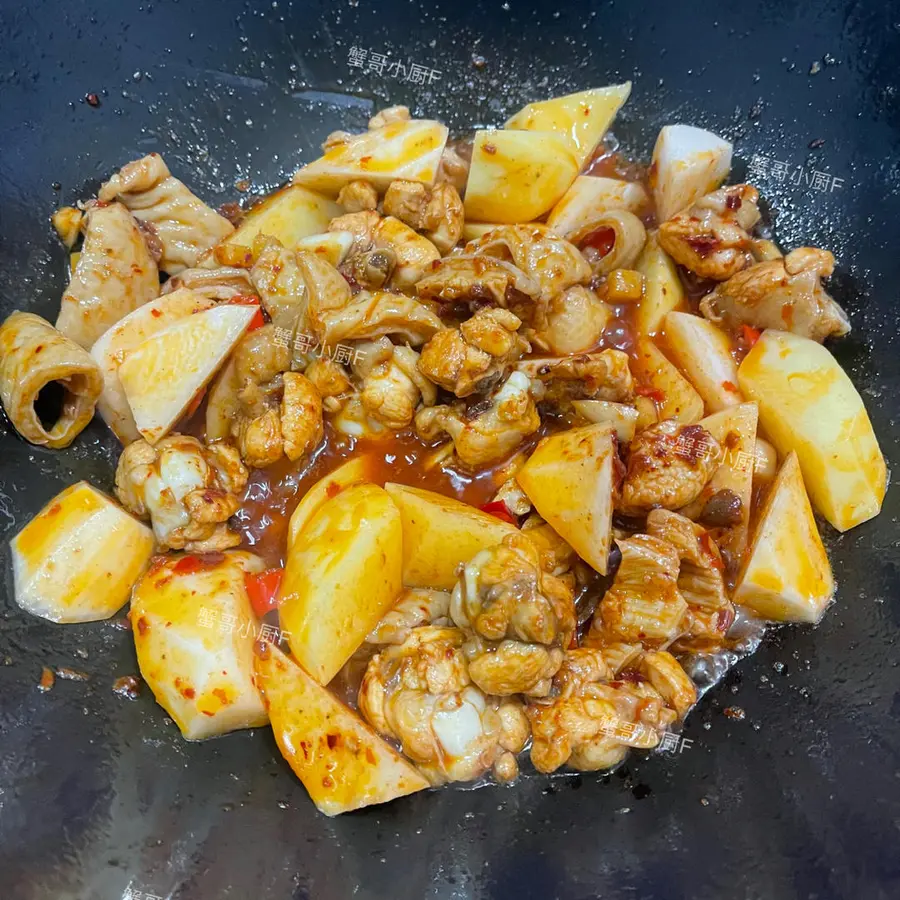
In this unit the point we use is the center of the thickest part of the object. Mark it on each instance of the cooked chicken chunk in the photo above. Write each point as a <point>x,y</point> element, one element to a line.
<point>188,491</point>
<point>540,253</point>
<point>485,432</point>
<point>476,356</point>
<point>420,693</point>
<point>643,605</point>
<point>393,389</point>
<point>185,225</point>
<point>222,283</point>
<point>668,677</point>
<point>301,416</point>
<point>571,322</point>
<point>388,116</point>
<point>516,616</point>
<point>590,723</point>
<point>711,238</point>
<point>358,196</point>
<point>414,254</point>
<point>415,607</point>
<point>604,375</point>
<point>67,221</point>
<point>476,278</point>
<point>330,379</point>
<point>436,212</point>
<point>454,165</point>
<point>371,270</point>
<point>379,313</point>
<point>668,466</point>
<point>786,294</point>
<point>115,274</point>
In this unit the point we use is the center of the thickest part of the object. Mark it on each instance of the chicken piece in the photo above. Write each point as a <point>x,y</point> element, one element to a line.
<point>604,375</point>
<point>513,498</point>
<point>668,466</point>
<point>372,315</point>
<point>489,430</point>
<point>370,269</point>
<point>222,283</point>
<point>786,294</point>
<point>301,416</point>
<point>571,322</point>
<point>420,693</point>
<point>476,278</point>
<point>185,225</point>
<point>588,722</point>
<point>393,389</point>
<point>712,237</point>
<point>414,254</point>
<point>476,356</point>
<point>454,165</point>
<point>670,680</point>
<point>540,253</point>
<point>700,580</point>
<point>188,491</point>
<point>517,616</point>
<point>643,605</point>
<point>557,557</point>
<point>436,212</point>
<point>67,222</point>
<point>388,115</point>
<point>115,274</point>
<point>358,196</point>
<point>330,380</point>
<point>415,607</point>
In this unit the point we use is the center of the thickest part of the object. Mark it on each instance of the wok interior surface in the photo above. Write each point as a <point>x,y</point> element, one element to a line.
<point>800,798</point>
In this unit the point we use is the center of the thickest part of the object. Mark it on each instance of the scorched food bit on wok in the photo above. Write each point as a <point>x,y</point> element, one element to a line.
<point>532,482</point>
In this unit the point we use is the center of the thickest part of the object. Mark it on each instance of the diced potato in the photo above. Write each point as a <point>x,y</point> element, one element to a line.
<point>580,119</point>
<point>786,576</point>
<point>332,246</point>
<point>677,399</point>
<point>624,286</point>
<point>662,288</point>
<point>439,533</point>
<point>194,631</point>
<point>621,417</point>
<point>343,574</point>
<point>517,176</point>
<point>735,430</point>
<point>569,479</point>
<point>589,198</point>
<point>166,372</point>
<point>354,471</point>
<point>703,352</point>
<point>409,149</point>
<point>688,162</point>
<point>342,762</point>
<point>79,557</point>
<point>807,403</point>
<point>114,346</point>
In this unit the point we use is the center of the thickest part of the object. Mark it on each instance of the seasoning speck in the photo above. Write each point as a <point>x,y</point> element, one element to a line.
<point>92,100</point>
<point>815,68</point>
<point>128,687</point>
<point>70,674</point>
<point>48,679</point>
<point>479,61</point>
<point>735,712</point>
<point>815,144</point>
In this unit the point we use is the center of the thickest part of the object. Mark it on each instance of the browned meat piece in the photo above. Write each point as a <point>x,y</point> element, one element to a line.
<point>668,466</point>
<point>604,375</point>
<point>571,322</point>
<point>712,237</point>
<point>358,196</point>
<point>437,212</point>
<point>476,278</point>
<point>476,356</point>
<point>786,294</point>
<point>393,389</point>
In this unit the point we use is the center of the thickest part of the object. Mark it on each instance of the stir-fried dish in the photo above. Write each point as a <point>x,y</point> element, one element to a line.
<point>452,459</point>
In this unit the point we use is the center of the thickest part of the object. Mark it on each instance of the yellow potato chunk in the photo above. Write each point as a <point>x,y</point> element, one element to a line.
<point>589,198</point>
<point>678,399</point>
<point>342,762</point>
<point>517,176</point>
<point>163,374</point>
<point>343,574</point>
<point>194,631</point>
<point>439,533</point>
<point>569,479</point>
<point>126,335</point>
<point>354,471</point>
<point>581,119</point>
<point>786,576</point>
<point>409,149</point>
<point>662,288</point>
<point>79,557</point>
<point>291,214</point>
<point>703,352</point>
<point>807,403</point>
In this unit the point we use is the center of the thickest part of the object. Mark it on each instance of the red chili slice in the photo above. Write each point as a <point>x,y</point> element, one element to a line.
<point>250,300</point>
<point>497,509</point>
<point>262,589</point>
<point>602,240</point>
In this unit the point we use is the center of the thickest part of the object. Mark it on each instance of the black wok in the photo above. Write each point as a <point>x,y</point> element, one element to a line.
<point>800,799</point>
